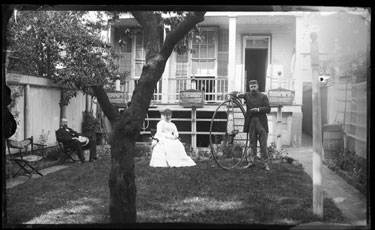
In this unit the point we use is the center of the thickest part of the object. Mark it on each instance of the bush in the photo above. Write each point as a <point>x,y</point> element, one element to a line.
<point>352,163</point>
<point>278,155</point>
<point>188,149</point>
<point>53,153</point>
<point>90,124</point>
<point>142,150</point>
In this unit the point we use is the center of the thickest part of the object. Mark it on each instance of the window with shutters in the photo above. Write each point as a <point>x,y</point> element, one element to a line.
<point>182,63</point>
<point>140,54</point>
<point>223,53</point>
<point>208,57</point>
<point>204,53</point>
<point>124,46</point>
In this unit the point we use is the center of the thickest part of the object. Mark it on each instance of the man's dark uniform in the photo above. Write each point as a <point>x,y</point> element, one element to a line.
<point>256,123</point>
<point>66,135</point>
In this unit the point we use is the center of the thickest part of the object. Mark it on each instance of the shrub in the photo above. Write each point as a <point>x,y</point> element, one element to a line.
<point>274,154</point>
<point>142,150</point>
<point>352,163</point>
<point>43,137</point>
<point>90,124</point>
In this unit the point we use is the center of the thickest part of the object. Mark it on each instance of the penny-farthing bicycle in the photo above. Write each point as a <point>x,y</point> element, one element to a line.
<point>227,144</point>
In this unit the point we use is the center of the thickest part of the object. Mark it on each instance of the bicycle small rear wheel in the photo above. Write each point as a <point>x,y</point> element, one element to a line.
<point>227,145</point>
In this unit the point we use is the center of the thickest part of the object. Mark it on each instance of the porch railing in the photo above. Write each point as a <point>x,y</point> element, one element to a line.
<point>214,88</point>
<point>275,82</point>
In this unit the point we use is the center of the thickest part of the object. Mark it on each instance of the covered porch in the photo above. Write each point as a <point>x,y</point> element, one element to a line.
<point>215,89</point>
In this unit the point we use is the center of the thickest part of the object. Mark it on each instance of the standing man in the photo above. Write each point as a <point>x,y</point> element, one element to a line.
<point>257,105</point>
<point>70,138</point>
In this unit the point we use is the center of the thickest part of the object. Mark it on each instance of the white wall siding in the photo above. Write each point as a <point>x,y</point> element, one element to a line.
<point>44,98</point>
<point>74,111</point>
<point>44,111</point>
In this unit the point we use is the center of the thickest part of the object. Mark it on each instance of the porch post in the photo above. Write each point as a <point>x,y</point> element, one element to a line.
<point>194,130</point>
<point>165,77</point>
<point>302,69</point>
<point>232,54</point>
<point>278,128</point>
<point>27,121</point>
<point>111,34</point>
<point>317,128</point>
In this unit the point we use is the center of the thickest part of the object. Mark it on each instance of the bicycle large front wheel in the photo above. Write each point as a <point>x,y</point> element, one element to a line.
<point>227,144</point>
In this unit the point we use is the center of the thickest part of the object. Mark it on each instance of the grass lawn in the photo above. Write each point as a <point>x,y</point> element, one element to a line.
<point>204,193</point>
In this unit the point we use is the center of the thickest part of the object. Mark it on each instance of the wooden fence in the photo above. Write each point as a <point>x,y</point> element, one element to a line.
<point>37,109</point>
<point>347,105</point>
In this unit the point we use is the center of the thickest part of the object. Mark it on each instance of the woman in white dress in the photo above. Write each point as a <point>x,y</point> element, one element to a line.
<point>168,151</point>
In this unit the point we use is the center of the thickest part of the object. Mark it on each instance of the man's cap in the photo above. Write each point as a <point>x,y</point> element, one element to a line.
<point>253,82</point>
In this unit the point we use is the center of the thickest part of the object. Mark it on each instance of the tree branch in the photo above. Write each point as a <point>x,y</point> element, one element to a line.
<point>141,17</point>
<point>109,110</point>
<point>152,28</point>
<point>180,31</point>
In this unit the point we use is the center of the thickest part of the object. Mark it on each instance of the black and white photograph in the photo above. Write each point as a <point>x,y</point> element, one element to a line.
<point>186,116</point>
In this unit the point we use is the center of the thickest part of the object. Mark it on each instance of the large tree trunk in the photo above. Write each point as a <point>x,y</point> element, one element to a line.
<point>122,186</point>
<point>122,207</point>
<point>122,181</point>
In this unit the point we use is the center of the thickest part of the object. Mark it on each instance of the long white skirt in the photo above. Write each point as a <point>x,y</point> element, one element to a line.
<point>170,153</point>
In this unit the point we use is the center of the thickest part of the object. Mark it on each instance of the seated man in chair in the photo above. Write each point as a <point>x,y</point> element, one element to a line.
<point>74,140</point>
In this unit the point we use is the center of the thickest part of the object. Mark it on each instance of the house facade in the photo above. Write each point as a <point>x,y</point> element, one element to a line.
<point>234,47</point>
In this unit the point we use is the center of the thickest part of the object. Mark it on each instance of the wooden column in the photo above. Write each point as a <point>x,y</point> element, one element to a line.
<point>230,126</point>
<point>301,45</point>
<point>117,85</point>
<point>194,130</point>
<point>317,128</point>
<point>232,54</point>
<point>278,128</point>
<point>27,120</point>
<point>165,77</point>
<point>111,34</point>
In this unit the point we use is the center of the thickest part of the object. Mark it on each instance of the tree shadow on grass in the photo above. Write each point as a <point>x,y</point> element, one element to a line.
<point>207,194</point>
<point>203,194</point>
<point>74,195</point>
<point>81,211</point>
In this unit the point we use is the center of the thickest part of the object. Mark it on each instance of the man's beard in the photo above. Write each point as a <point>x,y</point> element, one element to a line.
<point>253,92</point>
<point>65,126</point>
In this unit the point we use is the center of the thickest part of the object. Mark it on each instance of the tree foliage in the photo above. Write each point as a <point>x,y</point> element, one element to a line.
<point>62,45</point>
<point>353,65</point>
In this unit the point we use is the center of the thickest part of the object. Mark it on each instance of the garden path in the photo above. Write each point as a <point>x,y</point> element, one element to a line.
<point>348,199</point>
<point>101,151</point>
<point>22,179</point>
